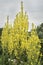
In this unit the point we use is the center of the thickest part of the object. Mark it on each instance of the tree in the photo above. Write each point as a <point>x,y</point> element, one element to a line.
<point>40,34</point>
<point>0,41</point>
<point>40,31</point>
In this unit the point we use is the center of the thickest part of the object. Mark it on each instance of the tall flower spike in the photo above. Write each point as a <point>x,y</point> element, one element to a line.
<point>7,22</point>
<point>17,17</point>
<point>7,19</point>
<point>33,26</point>
<point>22,7</point>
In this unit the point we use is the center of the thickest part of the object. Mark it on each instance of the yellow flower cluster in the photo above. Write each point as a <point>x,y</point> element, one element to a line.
<point>4,37</point>
<point>15,38</point>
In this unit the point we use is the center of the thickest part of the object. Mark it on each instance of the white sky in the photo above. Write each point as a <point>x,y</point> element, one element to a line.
<point>34,9</point>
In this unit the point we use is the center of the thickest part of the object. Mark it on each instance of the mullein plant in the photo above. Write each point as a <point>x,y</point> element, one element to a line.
<point>4,40</point>
<point>22,48</point>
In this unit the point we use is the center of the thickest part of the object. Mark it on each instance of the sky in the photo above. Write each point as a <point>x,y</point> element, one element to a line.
<point>34,9</point>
